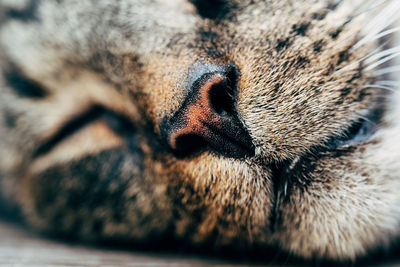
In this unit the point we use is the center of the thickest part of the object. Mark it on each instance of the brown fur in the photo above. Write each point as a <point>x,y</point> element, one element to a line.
<point>304,81</point>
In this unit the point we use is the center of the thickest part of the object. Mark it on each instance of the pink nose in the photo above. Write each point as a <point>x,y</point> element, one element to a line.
<point>208,119</point>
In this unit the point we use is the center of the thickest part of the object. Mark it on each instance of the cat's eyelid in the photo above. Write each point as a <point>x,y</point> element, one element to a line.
<point>360,131</point>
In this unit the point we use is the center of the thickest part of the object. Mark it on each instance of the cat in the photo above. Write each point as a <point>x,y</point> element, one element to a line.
<point>243,123</point>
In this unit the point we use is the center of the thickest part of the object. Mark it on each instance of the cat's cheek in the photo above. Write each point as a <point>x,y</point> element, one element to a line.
<point>349,206</point>
<point>110,195</point>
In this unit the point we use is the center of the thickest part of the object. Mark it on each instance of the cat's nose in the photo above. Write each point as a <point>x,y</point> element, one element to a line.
<point>208,118</point>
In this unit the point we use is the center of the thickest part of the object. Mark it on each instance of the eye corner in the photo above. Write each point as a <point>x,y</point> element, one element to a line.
<point>360,131</point>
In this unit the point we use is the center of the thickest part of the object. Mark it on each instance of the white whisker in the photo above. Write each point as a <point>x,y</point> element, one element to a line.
<point>388,70</point>
<point>354,64</point>
<point>391,83</point>
<point>383,60</point>
<point>368,6</point>
<point>379,87</point>
<point>387,52</point>
<point>387,32</point>
<point>383,20</point>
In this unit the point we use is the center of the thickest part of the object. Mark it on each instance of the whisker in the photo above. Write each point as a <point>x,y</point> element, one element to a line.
<point>383,60</point>
<point>388,70</point>
<point>367,6</point>
<point>387,32</point>
<point>383,20</point>
<point>382,54</point>
<point>353,64</point>
<point>377,86</point>
<point>389,83</point>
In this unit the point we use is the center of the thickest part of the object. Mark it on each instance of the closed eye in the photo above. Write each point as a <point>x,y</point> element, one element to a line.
<point>359,132</point>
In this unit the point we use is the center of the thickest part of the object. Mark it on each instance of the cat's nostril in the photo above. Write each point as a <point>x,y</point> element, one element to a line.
<point>208,118</point>
<point>188,144</point>
<point>223,94</point>
<point>222,99</point>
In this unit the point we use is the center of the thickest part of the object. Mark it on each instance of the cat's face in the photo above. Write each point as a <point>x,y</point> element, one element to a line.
<point>232,122</point>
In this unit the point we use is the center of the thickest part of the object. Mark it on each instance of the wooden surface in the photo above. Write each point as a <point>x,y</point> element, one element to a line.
<point>19,247</point>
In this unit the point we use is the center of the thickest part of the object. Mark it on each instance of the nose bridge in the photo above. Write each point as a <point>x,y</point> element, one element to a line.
<point>198,71</point>
<point>207,118</point>
<point>196,112</point>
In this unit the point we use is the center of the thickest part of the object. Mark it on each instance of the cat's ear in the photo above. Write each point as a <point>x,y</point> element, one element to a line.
<point>212,9</point>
